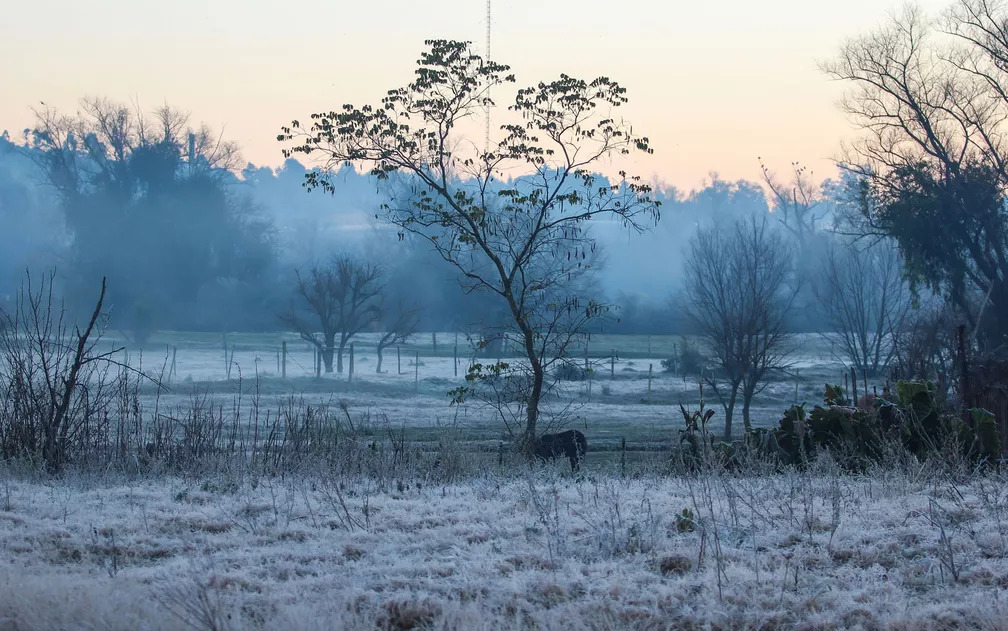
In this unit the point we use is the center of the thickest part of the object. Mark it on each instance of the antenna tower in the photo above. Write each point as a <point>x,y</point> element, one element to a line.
<point>486,130</point>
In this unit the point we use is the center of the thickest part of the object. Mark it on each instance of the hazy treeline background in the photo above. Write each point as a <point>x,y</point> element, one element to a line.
<point>192,240</point>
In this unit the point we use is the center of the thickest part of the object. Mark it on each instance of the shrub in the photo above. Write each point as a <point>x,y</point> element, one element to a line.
<point>570,371</point>
<point>688,360</point>
<point>857,437</point>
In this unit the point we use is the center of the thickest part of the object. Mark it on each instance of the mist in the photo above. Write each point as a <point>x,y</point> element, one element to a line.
<point>194,242</point>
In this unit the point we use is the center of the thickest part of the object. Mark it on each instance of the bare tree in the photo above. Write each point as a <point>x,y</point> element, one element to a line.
<point>338,299</point>
<point>399,325</point>
<point>510,217</point>
<point>864,300</point>
<point>798,203</point>
<point>931,96</point>
<point>741,285</point>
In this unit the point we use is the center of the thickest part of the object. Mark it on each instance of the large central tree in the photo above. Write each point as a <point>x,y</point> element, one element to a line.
<point>511,217</point>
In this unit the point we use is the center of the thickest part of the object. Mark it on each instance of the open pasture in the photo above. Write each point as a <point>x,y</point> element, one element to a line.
<point>628,397</point>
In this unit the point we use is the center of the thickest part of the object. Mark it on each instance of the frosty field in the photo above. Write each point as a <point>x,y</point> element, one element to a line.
<point>402,512</point>
<point>906,548</point>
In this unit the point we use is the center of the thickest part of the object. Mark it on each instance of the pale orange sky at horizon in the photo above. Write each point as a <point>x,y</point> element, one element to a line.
<point>714,85</point>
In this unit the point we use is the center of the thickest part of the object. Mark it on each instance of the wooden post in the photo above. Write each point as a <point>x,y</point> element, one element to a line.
<point>853,383</point>
<point>283,366</point>
<point>350,373</point>
<point>500,456</point>
<point>965,395</point>
<point>622,459</point>
<point>433,337</point>
<point>612,364</point>
<point>416,372</point>
<point>650,373</point>
<point>398,359</point>
<point>455,355</point>
<point>174,352</point>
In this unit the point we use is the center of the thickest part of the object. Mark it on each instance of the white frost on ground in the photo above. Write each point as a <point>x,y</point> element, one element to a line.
<point>900,549</point>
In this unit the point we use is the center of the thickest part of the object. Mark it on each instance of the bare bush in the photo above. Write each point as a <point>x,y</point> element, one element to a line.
<point>57,388</point>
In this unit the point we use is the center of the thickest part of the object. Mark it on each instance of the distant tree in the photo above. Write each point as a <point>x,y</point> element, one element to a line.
<point>148,202</point>
<point>864,301</point>
<point>339,299</point>
<point>933,162</point>
<point>510,218</point>
<point>33,234</point>
<point>398,325</point>
<point>740,287</point>
<point>798,203</point>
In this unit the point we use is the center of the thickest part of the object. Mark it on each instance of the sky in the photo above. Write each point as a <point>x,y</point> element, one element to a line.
<point>714,85</point>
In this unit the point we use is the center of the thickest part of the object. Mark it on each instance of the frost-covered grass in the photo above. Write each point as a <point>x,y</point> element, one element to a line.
<point>902,547</point>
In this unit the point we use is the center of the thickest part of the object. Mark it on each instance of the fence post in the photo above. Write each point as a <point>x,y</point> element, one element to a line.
<point>416,373</point>
<point>283,366</point>
<point>398,359</point>
<point>455,355</point>
<point>853,383</point>
<point>174,352</point>
<point>350,374</point>
<point>433,337</point>
<point>622,460</point>
<point>612,364</point>
<point>650,373</point>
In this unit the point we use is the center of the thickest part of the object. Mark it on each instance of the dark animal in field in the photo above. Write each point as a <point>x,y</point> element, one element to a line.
<point>571,444</point>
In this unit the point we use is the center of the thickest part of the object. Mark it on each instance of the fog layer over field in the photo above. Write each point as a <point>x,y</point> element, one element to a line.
<point>267,226</point>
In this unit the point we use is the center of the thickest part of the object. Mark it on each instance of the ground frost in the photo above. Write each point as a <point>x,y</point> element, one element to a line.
<point>805,550</point>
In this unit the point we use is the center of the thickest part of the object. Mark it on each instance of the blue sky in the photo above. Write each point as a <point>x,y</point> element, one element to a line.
<point>713,84</point>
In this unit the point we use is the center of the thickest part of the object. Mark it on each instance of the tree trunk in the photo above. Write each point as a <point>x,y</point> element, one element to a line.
<point>532,408</point>
<point>378,369</point>
<point>339,359</point>
<point>50,451</point>
<point>729,412</point>
<point>327,354</point>
<point>746,402</point>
